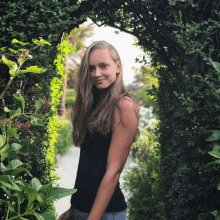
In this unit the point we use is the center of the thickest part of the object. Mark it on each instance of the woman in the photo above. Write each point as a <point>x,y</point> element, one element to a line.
<point>105,121</point>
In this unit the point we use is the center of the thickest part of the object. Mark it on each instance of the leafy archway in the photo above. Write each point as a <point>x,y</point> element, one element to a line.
<point>180,35</point>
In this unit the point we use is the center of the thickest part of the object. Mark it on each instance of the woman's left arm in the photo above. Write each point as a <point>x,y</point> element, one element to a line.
<point>123,135</point>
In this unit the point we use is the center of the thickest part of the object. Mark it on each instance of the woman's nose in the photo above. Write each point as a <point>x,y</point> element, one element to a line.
<point>97,72</point>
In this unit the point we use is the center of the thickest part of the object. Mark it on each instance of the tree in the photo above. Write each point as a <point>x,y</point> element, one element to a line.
<point>148,78</point>
<point>71,65</point>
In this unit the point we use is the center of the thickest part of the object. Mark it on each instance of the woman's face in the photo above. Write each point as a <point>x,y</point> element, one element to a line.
<point>102,67</point>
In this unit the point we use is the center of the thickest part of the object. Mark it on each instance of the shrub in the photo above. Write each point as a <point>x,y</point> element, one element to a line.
<point>64,140</point>
<point>22,191</point>
<point>144,182</point>
<point>70,97</point>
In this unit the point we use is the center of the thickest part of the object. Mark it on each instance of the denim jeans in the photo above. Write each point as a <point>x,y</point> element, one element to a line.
<point>75,214</point>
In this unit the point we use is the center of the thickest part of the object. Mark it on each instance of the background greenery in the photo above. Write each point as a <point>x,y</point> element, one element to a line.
<point>64,140</point>
<point>27,21</point>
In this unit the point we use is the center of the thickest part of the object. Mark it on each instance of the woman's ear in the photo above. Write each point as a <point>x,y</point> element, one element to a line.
<point>119,66</point>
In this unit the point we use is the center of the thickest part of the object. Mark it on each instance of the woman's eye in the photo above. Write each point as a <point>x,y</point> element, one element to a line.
<point>91,69</point>
<point>103,67</point>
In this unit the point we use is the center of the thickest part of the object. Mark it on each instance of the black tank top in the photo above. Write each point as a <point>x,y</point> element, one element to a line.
<point>91,170</point>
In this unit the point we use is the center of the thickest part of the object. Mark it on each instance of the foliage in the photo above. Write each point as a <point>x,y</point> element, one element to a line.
<point>215,153</point>
<point>26,20</point>
<point>70,97</point>
<point>69,51</point>
<point>148,77</point>
<point>144,181</point>
<point>63,140</point>
<point>146,118</point>
<point>16,189</point>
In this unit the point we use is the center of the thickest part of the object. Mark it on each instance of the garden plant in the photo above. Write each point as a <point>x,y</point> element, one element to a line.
<point>18,190</point>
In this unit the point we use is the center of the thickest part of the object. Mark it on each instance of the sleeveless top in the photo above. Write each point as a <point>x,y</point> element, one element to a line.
<point>91,170</point>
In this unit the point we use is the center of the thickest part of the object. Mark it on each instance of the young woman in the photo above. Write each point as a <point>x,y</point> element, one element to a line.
<point>105,122</point>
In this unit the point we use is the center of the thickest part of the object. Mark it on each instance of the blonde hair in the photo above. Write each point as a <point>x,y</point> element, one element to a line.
<point>88,111</point>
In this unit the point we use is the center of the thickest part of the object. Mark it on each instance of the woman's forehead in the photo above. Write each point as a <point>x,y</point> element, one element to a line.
<point>100,56</point>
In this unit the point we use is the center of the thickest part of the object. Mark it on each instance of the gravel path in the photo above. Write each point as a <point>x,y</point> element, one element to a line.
<point>67,169</point>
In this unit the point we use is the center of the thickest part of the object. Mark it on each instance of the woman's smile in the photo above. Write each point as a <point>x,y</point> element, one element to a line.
<point>99,81</point>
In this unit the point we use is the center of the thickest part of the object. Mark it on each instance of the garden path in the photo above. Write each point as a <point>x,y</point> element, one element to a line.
<point>67,170</point>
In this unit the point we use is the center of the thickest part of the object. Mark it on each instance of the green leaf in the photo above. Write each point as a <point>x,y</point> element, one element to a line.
<point>21,183</point>
<point>58,193</point>
<point>2,151</point>
<point>2,201</point>
<point>31,196</point>
<point>14,164</point>
<point>36,121</point>
<point>25,148</point>
<point>2,140</point>
<point>216,65</point>
<point>41,41</point>
<point>15,41</point>
<point>46,215</point>
<point>15,113</point>
<point>217,217</point>
<point>215,136</point>
<point>14,147</point>
<point>6,109</point>
<point>19,97</point>
<point>13,51</point>
<point>11,131</point>
<point>216,151</point>
<point>32,69</point>
<point>14,171</point>
<point>44,191</point>
<point>214,212</point>
<point>7,191</point>
<point>206,216</point>
<point>214,162</point>
<point>12,65</point>
<point>2,167</point>
<point>2,48</point>
<point>6,181</point>
<point>42,116</point>
<point>38,104</point>
<point>35,183</point>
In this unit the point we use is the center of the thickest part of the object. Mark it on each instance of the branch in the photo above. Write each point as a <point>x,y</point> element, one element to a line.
<point>6,88</point>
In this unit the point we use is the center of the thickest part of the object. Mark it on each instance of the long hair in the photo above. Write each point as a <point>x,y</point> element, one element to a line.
<point>89,112</point>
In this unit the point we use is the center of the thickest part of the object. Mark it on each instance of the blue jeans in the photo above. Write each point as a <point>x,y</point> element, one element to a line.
<point>75,214</point>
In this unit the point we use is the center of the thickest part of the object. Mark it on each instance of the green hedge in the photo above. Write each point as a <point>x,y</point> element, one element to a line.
<point>27,21</point>
<point>144,182</point>
<point>64,140</point>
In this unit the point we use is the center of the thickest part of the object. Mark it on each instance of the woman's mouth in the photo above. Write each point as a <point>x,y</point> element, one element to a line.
<point>98,81</point>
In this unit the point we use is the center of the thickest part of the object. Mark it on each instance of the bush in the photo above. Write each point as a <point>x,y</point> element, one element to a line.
<point>144,183</point>
<point>22,192</point>
<point>64,140</point>
<point>70,97</point>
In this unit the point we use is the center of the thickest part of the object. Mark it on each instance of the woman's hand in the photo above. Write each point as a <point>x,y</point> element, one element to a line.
<point>65,215</point>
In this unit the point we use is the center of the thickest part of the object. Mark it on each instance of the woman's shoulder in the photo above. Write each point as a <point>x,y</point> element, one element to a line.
<point>126,100</point>
<point>127,103</point>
